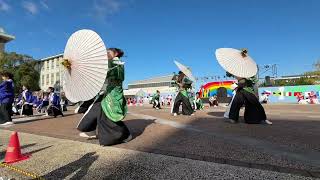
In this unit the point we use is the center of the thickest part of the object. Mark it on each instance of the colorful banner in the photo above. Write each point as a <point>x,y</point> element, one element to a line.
<point>211,88</point>
<point>290,94</point>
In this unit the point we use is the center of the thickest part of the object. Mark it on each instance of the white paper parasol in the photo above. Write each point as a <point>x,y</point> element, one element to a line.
<point>85,65</point>
<point>236,62</point>
<point>185,70</point>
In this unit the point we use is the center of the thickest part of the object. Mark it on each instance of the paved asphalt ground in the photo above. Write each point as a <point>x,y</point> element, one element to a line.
<point>203,146</point>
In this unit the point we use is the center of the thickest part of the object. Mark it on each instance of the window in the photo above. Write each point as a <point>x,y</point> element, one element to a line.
<point>57,63</point>
<point>57,76</point>
<point>47,80</point>
<point>52,79</point>
<point>42,80</point>
<point>53,63</point>
<point>148,85</point>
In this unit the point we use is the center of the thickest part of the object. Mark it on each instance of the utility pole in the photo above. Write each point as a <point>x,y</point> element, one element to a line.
<point>267,69</point>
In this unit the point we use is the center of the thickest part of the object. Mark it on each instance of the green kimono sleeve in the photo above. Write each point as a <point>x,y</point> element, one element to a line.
<point>247,85</point>
<point>155,97</point>
<point>114,104</point>
<point>199,103</point>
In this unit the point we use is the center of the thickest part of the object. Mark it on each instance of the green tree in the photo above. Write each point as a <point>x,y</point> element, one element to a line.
<point>309,78</point>
<point>27,75</point>
<point>8,61</point>
<point>317,65</point>
<point>23,69</point>
<point>305,81</point>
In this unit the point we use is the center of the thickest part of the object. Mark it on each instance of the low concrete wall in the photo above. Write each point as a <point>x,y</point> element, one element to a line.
<point>288,94</point>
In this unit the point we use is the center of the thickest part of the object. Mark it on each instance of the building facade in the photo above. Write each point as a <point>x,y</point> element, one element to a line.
<point>51,72</point>
<point>164,84</point>
<point>4,38</point>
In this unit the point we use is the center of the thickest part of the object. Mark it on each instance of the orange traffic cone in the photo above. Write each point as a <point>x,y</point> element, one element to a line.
<point>14,151</point>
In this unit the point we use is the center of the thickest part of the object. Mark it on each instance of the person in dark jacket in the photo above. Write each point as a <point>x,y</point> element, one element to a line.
<point>54,108</point>
<point>6,98</point>
<point>26,101</point>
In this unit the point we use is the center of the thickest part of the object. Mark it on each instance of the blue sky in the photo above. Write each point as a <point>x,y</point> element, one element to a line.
<point>155,32</point>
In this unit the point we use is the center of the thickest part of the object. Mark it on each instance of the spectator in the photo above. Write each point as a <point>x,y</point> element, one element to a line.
<point>63,102</point>
<point>6,98</point>
<point>26,101</point>
<point>54,108</point>
<point>213,101</point>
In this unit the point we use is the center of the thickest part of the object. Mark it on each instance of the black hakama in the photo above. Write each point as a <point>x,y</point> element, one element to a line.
<point>186,105</point>
<point>109,132</point>
<point>254,112</point>
<point>5,113</point>
<point>27,109</point>
<point>84,106</point>
<point>54,111</point>
<point>156,104</point>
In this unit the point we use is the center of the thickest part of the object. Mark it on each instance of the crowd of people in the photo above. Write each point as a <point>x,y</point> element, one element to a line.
<point>310,98</point>
<point>105,112</point>
<point>47,102</point>
<point>28,102</point>
<point>164,100</point>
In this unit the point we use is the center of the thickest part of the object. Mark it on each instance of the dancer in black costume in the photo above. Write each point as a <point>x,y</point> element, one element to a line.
<point>182,97</point>
<point>245,95</point>
<point>109,107</point>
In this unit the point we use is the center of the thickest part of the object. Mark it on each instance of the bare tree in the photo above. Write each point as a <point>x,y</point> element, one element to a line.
<point>317,65</point>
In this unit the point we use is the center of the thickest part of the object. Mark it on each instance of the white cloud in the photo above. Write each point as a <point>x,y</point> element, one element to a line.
<point>104,8</point>
<point>44,4</point>
<point>50,33</point>
<point>30,7</point>
<point>4,6</point>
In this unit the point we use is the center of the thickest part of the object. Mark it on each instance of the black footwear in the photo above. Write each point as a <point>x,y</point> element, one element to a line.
<point>266,122</point>
<point>129,138</point>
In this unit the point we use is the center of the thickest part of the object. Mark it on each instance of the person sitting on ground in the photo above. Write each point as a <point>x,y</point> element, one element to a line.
<point>64,102</point>
<point>264,98</point>
<point>213,101</point>
<point>42,107</point>
<point>54,108</point>
<point>38,100</point>
<point>26,101</point>
<point>198,102</point>
<point>35,100</point>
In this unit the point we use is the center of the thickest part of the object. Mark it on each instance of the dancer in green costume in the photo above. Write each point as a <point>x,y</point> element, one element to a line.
<point>184,83</point>
<point>245,95</point>
<point>156,100</point>
<point>109,107</point>
<point>198,102</point>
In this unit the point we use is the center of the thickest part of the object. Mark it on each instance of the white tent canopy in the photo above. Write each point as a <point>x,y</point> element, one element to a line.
<point>134,92</point>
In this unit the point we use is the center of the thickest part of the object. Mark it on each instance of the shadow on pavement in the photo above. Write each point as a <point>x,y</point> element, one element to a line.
<point>137,126</point>
<point>3,153</point>
<point>275,148</point>
<point>212,140</point>
<point>38,150</point>
<point>37,118</point>
<point>216,114</point>
<point>80,166</point>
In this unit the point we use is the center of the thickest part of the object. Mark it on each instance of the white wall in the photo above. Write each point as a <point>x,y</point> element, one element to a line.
<point>51,73</point>
<point>152,90</point>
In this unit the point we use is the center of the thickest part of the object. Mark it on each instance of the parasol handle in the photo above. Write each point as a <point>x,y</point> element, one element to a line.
<point>244,52</point>
<point>66,63</point>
